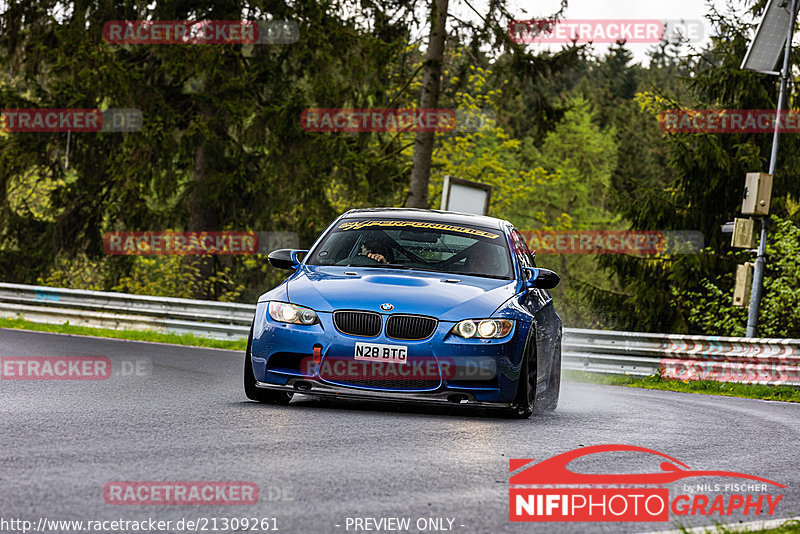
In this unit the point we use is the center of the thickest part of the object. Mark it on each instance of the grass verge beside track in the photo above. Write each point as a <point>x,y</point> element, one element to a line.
<point>133,335</point>
<point>791,526</point>
<point>727,389</point>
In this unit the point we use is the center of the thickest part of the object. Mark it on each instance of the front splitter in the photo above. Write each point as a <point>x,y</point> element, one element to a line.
<point>314,387</point>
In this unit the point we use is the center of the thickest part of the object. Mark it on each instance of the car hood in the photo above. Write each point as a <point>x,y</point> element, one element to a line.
<point>326,289</point>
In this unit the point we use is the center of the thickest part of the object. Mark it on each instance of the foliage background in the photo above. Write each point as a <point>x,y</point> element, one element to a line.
<point>573,144</point>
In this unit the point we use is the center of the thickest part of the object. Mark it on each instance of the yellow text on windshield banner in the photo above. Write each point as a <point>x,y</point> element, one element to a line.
<point>357,225</point>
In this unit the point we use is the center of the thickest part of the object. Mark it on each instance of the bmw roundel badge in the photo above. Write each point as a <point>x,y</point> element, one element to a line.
<point>387,307</point>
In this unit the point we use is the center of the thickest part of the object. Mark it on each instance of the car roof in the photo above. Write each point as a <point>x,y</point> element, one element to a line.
<point>429,215</point>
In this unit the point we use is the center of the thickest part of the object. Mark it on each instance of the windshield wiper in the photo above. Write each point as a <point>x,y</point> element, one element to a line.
<point>394,266</point>
<point>402,267</point>
<point>484,275</point>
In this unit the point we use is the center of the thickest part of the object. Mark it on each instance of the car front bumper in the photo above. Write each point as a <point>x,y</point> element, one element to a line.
<point>315,387</point>
<point>274,343</point>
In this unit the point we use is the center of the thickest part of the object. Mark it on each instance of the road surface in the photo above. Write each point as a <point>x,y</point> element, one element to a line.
<point>171,413</point>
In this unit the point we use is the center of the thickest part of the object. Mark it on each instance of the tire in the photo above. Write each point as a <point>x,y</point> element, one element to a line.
<point>525,399</point>
<point>549,401</point>
<point>252,392</point>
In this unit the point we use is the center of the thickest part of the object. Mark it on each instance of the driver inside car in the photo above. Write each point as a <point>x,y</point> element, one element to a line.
<point>483,259</point>
<point>377,251</point>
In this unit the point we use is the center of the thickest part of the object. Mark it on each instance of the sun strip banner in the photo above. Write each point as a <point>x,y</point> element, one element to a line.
<point>358,225</point>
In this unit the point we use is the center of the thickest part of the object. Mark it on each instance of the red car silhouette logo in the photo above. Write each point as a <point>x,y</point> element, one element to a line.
<point>554,470</point>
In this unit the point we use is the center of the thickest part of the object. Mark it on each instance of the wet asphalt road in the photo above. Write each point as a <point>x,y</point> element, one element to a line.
<point>179,414</point>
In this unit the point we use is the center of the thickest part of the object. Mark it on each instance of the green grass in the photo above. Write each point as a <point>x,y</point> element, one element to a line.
<point>727,389</point>
<point>790,527</point>
<point>134,335</point>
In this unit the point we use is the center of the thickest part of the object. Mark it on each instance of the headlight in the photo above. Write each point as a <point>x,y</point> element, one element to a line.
<point>483,328</point>
<point>289,313</point>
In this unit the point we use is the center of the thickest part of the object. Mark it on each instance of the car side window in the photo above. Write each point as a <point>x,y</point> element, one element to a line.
<point>521,250</point>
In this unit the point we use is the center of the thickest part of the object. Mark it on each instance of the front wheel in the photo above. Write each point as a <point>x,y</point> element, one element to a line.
<point>549,401</point>
<point>525,399</point>
<point>258,394</point>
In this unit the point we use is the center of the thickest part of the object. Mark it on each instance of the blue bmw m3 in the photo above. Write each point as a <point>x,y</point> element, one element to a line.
<point>409,305</point>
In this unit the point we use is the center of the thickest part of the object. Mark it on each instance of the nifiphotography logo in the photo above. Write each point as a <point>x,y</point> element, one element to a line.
<point>549,491</point>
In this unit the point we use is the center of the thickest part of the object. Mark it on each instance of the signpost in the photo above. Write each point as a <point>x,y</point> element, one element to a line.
<point>774,33</point>
<point>465,196</point>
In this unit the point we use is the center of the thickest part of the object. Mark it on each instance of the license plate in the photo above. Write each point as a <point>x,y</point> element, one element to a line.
<point>376,352</point>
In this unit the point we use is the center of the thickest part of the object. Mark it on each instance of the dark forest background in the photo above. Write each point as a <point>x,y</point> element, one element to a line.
<point>574,144</point>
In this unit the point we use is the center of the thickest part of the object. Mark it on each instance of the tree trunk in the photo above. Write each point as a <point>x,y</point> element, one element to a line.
<point>202,218</point>
<point>431,84</point>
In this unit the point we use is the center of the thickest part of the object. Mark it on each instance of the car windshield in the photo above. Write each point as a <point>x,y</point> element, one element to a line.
<point>418,245</point>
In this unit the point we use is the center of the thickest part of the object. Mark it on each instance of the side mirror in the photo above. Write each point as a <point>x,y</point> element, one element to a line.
<point>540,278</point>
<point>285,258</point>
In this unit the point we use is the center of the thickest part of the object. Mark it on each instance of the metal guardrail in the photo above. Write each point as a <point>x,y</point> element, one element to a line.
<point>218,320</point>
<point>597,351</point>
<point>601,351</point>
<point>683,357</point>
